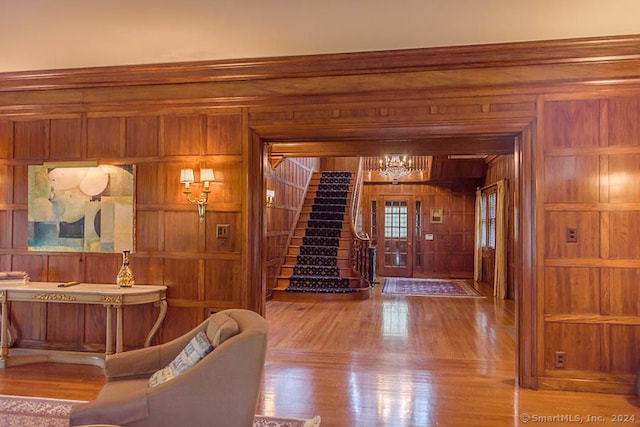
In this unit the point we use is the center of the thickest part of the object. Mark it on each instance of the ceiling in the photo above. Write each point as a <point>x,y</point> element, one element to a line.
<point>46,34</point>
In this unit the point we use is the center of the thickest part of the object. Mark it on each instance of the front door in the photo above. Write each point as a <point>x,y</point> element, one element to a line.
<point>395,255</point>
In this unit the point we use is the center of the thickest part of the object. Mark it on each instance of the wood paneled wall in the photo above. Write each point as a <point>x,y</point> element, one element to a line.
<point>339,164</point>
<point>171,247</point>
<point>289,181</point>
<point>591,162</point>
<point>450,253</point>
<point>573,107</point>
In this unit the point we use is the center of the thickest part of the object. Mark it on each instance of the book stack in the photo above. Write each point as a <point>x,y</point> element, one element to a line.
<point>13,278</point>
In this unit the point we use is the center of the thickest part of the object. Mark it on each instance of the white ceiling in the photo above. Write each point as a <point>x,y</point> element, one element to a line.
<point>57,34</point>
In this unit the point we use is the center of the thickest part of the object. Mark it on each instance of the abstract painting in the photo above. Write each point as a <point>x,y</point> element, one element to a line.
<point>81,209</point>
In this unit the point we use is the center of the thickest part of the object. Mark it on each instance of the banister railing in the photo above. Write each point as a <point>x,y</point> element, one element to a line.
<point>360,243</point>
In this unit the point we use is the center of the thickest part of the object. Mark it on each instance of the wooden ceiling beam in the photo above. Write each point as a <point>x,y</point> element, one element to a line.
<point>414,147</point>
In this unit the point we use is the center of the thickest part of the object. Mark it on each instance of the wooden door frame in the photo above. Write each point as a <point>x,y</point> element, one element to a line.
<point>528,314</point>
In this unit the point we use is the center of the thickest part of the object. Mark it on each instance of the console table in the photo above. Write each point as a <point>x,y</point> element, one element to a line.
<point>108,296</point>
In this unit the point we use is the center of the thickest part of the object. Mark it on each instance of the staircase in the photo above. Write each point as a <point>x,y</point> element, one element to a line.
<point>317,261</point>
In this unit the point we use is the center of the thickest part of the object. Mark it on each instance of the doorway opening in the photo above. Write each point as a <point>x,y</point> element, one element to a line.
<point>519,145</point>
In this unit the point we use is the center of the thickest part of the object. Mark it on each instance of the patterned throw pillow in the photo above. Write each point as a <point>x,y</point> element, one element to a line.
<point>198,347</point>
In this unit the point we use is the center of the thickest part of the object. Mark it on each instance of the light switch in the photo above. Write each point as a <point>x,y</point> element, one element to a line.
<point>222,231</point>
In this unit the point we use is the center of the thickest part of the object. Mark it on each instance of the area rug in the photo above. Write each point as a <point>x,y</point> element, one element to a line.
<point>16,411</point>
<point>430,287</point>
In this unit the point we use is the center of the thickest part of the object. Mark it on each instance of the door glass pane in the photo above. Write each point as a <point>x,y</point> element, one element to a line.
<point>395,233</point>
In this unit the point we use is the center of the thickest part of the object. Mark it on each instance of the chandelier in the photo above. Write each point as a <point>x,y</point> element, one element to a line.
<point>395,167</point>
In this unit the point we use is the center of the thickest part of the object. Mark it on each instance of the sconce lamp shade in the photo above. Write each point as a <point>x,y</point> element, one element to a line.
<point>206,175</point>
<point>186,176</point>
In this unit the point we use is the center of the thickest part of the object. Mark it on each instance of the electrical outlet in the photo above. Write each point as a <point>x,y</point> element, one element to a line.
<point>558,361</point>
<point>222,231</point>
<point>572,235</point>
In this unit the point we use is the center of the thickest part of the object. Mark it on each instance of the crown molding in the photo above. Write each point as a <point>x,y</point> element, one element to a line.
<point>568,51</point>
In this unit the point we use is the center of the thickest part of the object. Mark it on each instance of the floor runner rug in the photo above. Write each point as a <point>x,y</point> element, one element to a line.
<point>16,411</point>
<point>430,287</point>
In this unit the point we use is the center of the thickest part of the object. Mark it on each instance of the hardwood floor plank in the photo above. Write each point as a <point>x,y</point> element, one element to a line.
<point>386,361</point>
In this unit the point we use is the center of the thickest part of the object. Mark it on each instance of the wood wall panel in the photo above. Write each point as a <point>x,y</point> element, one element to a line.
<point>572,179</point>
<point>94,328</point>
<point>20,233</point>
<point>6,179</point>
<point>231,245</point>
<point>64,268</point>
<point>572,124</point>
<point>101,268</point>
<point>182,135</point>
<point>20,190</point>
<point>182,277</point>
<point>229,182</point>
<point>35,328</point>
<point>34,265</point>
<point>572,290</point>
<point>624,292</point>
<point>221,276</point>
<point>105,137</point>
<point>189,231</point>
<point>624,235</point>
<point>587,225</point>
<point>223,134</point>
<point>624,178</point>
<point>64,324</point>
<point>6,140</point>
<point>138,321</point>
<point>148,223</point>
<point>577,341</point>
<point>150,184</point>
<point>149,271</point>
<point>168,175</point>
<point>5,230</point>
<point>30,140</point>
<point>142,136</point>
<point>625,347</point>
<point>623,114</point>
<point>66,139</point>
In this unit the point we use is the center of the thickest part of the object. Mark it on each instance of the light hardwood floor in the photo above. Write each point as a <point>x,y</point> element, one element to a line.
<point>386,361</point>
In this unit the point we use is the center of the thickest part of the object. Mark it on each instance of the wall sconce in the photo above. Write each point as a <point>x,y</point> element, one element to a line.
<point>187,178</point>
<point>270,195</point>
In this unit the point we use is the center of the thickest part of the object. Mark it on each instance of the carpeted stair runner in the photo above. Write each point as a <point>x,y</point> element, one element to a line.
<point>316,266</point>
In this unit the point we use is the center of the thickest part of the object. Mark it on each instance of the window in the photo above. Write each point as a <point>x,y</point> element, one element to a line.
<point>488,204</point>
<point>374,229</point>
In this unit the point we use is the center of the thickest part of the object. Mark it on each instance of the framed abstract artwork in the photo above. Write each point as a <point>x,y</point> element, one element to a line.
<point>81,209</point>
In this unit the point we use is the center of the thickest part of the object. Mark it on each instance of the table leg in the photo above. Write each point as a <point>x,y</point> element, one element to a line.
<point>156,326</point>
<point>109,346</point>
<point>118,329</point>
<point>4,335</point>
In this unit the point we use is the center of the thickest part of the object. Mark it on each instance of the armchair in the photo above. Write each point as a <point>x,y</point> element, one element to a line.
<point>219,390</point>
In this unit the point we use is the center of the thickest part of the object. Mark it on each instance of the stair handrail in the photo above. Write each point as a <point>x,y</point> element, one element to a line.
<point>360,243</point>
